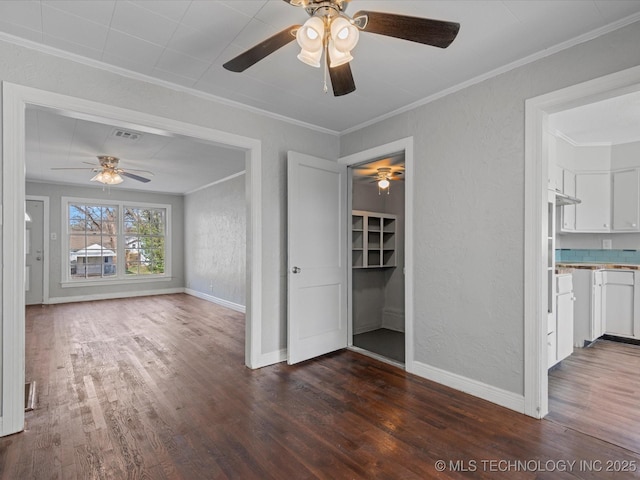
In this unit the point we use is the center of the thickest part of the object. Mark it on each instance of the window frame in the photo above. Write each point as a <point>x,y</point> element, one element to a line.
<point>121,277</point>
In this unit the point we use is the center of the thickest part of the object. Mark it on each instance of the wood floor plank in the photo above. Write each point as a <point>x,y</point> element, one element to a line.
<point>156,388</point>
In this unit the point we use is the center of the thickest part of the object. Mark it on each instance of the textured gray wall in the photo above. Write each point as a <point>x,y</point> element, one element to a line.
<point>469,208</point>
<point>56,192</point>
<point>215,240</point>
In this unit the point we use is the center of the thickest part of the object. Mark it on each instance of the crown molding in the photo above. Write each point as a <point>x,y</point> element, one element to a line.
<point>573,143</point>
<point>56,52</point>
<point>500,70</point>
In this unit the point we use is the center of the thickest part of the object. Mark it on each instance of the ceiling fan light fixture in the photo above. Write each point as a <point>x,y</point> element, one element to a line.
<point>108,177</point>
<point>310,35</point>
<point>344,34</point>
<point>336,57</point>
<point>310,58</point>
<point>384,183</point>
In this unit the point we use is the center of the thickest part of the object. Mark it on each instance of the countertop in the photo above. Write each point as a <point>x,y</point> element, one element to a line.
<point>565,267</point>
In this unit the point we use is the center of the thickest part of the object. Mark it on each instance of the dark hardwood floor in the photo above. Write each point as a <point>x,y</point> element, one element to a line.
<point>597,391</point>
<point>156,388</point>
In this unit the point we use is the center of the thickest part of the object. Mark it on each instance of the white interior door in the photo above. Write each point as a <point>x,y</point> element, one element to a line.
<point>34,253</point>
<point>317,260</point>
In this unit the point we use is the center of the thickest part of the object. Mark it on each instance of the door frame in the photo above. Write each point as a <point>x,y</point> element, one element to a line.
<point>537,111</point>
<point>45,249</point>
<point>15,100</point>
<point>402,145</point>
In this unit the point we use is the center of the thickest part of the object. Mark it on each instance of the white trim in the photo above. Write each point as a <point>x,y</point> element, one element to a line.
<point>123,281</point>
<point>500,70</point>
<point>535,308</point>
<point>114,295</point>
<point>378,357</point>
<point>23,42</point>
<point>271,358</point>
<point>219,301</point>
<point>403,145</point>
<point>46,233</point>
<point>222,180</point>
<point>15,99</point>
<point>478,389</point>
<point>572,142</point>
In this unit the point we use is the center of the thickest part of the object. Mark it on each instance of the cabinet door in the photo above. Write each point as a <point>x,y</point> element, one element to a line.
<point>593,214</point>
<point>626,201</point>
<point>569,211</point>
<point>618,303</point>
<point>597,318</point>
<point>564,325</point>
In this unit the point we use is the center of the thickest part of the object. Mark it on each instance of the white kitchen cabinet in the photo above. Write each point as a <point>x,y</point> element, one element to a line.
<point>619,303</point>
<point>568,216</point>
<point>626,200</point>
<point>594,213</point>
<point>597,315</point>
<point>560,334</point>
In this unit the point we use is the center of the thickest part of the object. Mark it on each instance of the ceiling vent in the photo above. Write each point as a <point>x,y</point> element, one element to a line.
<point>126,135</point>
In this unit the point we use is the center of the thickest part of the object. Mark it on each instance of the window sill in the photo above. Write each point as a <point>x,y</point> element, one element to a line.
<point>119,281</point>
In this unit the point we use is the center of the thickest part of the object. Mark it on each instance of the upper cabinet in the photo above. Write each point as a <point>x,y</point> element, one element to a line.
<point>626,200</point>
<point>594,213</point>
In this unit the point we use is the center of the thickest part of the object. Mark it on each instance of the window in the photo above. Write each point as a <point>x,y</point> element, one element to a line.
<point>115,242</point>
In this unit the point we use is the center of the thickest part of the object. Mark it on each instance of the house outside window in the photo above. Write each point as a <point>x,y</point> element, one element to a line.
<point>116,242</point>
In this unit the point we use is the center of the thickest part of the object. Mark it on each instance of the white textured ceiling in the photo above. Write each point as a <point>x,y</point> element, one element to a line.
<point>179,164</point>
<point>607,122</point>
<point>186,42</point>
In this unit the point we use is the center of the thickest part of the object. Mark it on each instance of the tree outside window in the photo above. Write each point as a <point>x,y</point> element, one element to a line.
<point>102,236</point>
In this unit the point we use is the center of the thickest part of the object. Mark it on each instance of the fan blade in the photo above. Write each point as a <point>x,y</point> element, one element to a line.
<point>341,79</point>
<point>135,177</point>
<point>261,50</point>
<point>437,33</point>
<point>71,168</point>
<point>136,170</point>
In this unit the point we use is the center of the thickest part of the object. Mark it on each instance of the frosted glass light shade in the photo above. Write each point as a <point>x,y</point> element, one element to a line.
<point>310,58</point>
<point>310,35</point>
<point>383,183</point>
<point>108,177</point>
<point>336,57</point>
<point>344,35</point>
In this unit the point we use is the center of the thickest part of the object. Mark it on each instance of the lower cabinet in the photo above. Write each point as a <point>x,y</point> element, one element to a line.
<point>560,332</point>
<point>620,303</point>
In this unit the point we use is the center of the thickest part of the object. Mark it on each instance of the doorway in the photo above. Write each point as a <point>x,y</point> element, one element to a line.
<point>16,100</point>
<point>377,245</point>
<point>36,254</point>
<point>537,114</point>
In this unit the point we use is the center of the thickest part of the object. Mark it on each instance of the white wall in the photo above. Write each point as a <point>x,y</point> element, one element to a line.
<point>215,241</point>
<point>469,208</point>
<point>56,192</point>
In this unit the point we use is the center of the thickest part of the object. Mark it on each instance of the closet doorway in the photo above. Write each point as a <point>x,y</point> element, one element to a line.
<point>377,254</point>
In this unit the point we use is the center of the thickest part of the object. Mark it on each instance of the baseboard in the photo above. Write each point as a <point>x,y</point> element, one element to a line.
<point>111,296</point>
<point>271,358</point>
<point>501,397</point>
<point>220,301</point>
<point>393,319</point>
<point>366,328</point>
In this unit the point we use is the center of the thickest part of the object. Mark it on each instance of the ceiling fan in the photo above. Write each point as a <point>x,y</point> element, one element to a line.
<point>332,32</point>
<point>108,171</point>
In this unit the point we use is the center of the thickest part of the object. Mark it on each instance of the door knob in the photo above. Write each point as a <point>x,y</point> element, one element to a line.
<point>296,270</point>
<point>38,258</point>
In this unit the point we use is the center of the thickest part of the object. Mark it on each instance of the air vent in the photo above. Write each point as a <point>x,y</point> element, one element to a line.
<point>126,135</point>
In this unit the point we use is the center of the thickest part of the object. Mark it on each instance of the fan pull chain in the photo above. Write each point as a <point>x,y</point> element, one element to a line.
<point>326,67</point>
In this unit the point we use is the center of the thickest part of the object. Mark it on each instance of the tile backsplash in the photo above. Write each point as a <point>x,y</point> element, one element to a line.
<point>570,255</point>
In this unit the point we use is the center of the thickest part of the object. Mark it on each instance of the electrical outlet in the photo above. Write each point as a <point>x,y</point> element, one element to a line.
<point>606,244</point>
